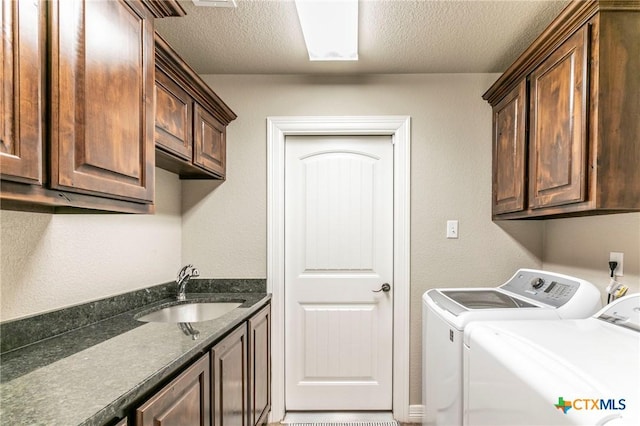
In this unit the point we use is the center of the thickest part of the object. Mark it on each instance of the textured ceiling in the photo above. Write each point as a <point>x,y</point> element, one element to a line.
<point>395,36</point>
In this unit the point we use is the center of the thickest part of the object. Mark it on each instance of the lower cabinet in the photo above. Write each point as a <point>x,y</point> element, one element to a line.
<point>229,380</point>
<point>228,386</point>
<point>184,401</point>
<point>260,366</point>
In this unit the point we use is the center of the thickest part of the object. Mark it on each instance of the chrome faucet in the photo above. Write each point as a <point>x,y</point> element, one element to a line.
<point>185,274</point>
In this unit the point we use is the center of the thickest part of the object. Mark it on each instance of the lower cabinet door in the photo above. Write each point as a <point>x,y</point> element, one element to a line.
<point>183,402</point>
<point>260,366</point>
<point>229,380</point>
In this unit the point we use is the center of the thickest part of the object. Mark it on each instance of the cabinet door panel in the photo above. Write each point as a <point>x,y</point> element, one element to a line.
<point>102,115</point>
<point>260,366</point>
<point>209,142</point>
<point>21,91</point>
<point>509,152</point>
<point>184,401</point>
<point>229,380</point>
<point>558,143</point>
<point>174,117</point>
<point>617,128</point>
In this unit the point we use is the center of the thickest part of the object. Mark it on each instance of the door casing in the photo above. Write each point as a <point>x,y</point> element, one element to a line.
<point>398,127</point>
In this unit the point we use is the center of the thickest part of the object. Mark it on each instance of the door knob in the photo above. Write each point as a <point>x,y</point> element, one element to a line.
<point>385,287</point>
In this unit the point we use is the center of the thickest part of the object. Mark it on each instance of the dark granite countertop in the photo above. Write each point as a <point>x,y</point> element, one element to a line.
<point>97,373</point>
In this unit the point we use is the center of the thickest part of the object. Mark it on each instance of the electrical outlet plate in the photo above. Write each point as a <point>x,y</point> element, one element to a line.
<point>615,256</point>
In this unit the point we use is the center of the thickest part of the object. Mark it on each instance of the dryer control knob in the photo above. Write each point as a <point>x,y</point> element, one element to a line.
<point>537,283</point>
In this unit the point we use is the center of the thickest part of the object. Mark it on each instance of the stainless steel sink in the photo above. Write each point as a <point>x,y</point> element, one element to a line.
<point>190,312</point>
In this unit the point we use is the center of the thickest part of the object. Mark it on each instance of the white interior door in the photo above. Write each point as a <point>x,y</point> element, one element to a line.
<point>338,250</point>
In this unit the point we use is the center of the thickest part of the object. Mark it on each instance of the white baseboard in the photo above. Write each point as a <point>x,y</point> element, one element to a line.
<point>416,412</point>
<point>324,417</point>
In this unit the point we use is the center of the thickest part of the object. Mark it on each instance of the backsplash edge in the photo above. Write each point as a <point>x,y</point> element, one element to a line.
<point>22,332</point>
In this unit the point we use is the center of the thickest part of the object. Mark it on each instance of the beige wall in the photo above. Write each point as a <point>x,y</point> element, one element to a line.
<point>54,261</point>
<point>581,246</point>
<point>224,226</point>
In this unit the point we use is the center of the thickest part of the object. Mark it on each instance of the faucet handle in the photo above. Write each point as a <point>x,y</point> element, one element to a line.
<point>183,278</point>
<point>183,272</point>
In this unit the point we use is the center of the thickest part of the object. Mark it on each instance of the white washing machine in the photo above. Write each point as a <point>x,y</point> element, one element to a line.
<point>529,294</point>
<point>570,372</point>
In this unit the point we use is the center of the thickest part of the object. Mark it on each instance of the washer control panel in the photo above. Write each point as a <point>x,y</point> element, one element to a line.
<point>624,312</point>
<point>546,287</point>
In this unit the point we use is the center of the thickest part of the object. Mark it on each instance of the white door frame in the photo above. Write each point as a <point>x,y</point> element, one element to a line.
<point>398,127</point>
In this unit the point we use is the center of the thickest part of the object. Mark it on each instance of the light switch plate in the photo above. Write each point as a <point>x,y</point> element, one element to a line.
<point>452,229</point>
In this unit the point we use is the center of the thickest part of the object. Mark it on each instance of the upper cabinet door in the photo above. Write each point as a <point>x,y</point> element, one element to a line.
<point>174,117</point>
<point>558,136</point>
<point>209,142</point>
<point>21,92</point>
<point>102,64</point>
<point>509,139</point>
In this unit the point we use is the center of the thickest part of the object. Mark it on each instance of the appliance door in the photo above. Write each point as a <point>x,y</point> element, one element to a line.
<point>442,368</point>
<point>523,373</point>
<point>485,299</point>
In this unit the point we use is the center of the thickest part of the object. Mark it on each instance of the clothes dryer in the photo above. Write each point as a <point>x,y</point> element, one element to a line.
<point>529,294</point>
<point>570,372</point>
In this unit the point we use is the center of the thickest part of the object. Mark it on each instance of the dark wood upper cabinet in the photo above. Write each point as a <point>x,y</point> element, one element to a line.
<point>22,76</point>
<point>229,383</point>
<point>581,145</point>
<point>260,366</point>
<point>558,131</point>
<point>102,99</point>
<point>209,142</point>
<point>77,118</point>
<point>191,120</point>
<point>183,402</point>
<point>509,155</point>
<point>615,108</point>
<point>174,117</point>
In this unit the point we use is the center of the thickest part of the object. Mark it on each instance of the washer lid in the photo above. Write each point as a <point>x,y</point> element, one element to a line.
<point>485,299</point>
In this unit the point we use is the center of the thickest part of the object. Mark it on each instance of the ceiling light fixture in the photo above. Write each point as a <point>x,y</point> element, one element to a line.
<point>216,3</point>
<point>330,29</point>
